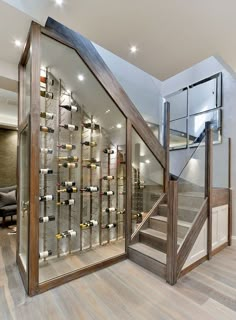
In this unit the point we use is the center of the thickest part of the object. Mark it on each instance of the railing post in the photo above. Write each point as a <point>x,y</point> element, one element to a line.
<point>166,143</point>
<point>171,259</point>
<point>230,195</point>
<point>208,183</point>
<point>128,184</point>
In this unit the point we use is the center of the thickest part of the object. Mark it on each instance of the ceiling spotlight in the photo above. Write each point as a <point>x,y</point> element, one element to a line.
<point>133,49</point>
<point>147,161</point>
<point>81,77</point>
<point>118,126</point>
<point>18,43</point>
<point>59,2</point>
<point>108,110</point>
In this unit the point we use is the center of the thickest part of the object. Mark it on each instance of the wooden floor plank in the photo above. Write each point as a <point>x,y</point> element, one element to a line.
<point>123,291</point>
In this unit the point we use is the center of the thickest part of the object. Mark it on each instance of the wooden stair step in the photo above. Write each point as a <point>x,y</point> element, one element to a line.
<point>154,239</point>
<point>184,213</point>
<point>148,258</point>
<point>159,223</point>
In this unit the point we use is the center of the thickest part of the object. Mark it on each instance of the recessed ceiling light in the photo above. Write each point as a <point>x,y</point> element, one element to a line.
<point>118,126</point>
<point>108,110</point>
<point>147,161</point>
<point>59,2</point>
<point>81,77</point>
<point>18,43</point>
<point>133,49</point>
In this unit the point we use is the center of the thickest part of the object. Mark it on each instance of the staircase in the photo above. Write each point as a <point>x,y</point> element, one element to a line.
<point>150,249</point>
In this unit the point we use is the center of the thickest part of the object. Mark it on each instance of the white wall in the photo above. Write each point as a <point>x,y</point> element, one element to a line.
<point>194,74</point>
<point>143,89</point>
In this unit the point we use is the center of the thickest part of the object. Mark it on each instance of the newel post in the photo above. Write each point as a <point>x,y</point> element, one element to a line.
<point>208,183</point>
<point>172,217</point>
<point>166,144</point>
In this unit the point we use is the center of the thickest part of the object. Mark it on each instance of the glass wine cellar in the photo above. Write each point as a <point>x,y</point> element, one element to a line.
<point>80,198</point>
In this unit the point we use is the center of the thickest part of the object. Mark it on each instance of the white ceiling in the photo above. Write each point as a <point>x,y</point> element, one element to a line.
<point>171,35</point>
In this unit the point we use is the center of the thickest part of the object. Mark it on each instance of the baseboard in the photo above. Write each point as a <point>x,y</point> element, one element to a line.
<point>192,266</point>
<point>220,248</point>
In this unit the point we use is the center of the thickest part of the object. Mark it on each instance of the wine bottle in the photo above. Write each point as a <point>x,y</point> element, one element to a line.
<point>108,193</point>
<point>69,202</point>
<point>46,94</point>
<point>69,190</point>
<point>46,129</point>
<point>66,234</point>
<point>109,210</point>
<point>91,125</point>
<point>108,178</point>
<point>46,171</point>
<point>108,151</point>
<point>121,178</point>
<point>90,189</point>
<point>67,146</point>
<point>69,158</point>
<point>70,108</point>
<point>46,150</point>
<point>109,226</point>
<point>92,166</point>
<point>45,254</point>
<point>69,165</point>
<point>91,160</point>
<point>68,183</point>
<point>48,197</point>
<point>46,219</point>
<point>47,115</point>
<point>87,224</point>
<point>122,193</point>
<point>121,212</point>
<point>138,216</point>
<point>69,127</point>
<point>89,144</point>
<point>46,80</point>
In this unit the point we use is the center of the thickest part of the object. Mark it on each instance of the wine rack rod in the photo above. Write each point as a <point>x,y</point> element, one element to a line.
<point>70,179</point>
<point>117,196</point>
<point>91,183</point>
<point>81,181</point>
<point>58,169</point>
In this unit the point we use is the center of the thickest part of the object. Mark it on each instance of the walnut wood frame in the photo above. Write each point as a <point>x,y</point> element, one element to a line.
<point>96,65</point>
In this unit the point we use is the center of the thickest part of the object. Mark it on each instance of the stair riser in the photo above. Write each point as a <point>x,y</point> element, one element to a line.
<point>191,202</point>
<point>154,242</point>
<point>162,227</point>
<point>183,214</point>
<point>147,262</point>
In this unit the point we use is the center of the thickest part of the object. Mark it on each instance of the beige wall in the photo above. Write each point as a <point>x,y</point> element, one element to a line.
<point>8,155</point>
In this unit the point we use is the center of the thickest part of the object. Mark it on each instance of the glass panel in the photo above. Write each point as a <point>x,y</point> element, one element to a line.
<point>26,90</point>
<point>83,166</point>
<point>178,134</point>
<point>197,126</point>
<point>220,175</point>
<point>203,97</point>
<point>147,180</point>
<point>191,191</point>
<point>178,104</point>
<point>24,196</point>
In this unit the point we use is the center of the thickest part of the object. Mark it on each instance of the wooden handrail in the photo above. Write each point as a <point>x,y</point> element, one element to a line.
<point>145,220</point>
<point>192,237</point>
<point>87,52</point>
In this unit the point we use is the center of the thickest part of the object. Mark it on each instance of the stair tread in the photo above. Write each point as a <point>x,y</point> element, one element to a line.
<point>154,233</point>
<point>150,252</point>
<point>180,222</point>
<point>192,194</point>
<point>158,234</point>
<point>181,207</point>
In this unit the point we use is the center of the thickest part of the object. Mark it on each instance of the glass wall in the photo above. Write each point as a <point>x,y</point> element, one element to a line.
<point>82,166</point>
<point>147,180</point>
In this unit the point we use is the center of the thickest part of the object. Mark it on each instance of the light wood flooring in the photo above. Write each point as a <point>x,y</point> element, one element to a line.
<point>123,291</point>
